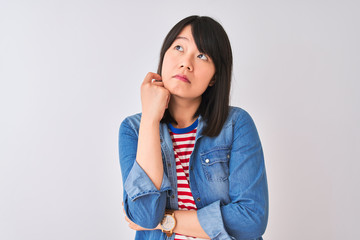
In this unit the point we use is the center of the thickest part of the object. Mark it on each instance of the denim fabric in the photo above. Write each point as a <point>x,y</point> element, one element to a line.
<point>227,179</point>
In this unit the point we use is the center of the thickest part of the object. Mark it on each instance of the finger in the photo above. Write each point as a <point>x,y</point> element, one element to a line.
<point>157,83</point>
<point>151,76</point>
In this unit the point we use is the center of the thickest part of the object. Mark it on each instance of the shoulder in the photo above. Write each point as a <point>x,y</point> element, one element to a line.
<point>131,122</point>
<point>237,129</point>
<point>238,115</point>
<point>242,124</point>
<point>134,119</point>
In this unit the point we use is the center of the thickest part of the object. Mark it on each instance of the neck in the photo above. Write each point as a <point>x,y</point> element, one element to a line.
<point>183,110</point>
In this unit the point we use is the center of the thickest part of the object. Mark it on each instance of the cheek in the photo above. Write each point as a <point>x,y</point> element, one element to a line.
<point>167,70</point>
<point>166,65</point>
<point>207,74</point>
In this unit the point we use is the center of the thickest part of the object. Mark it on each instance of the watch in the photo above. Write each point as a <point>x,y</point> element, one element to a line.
<point>168,223</point>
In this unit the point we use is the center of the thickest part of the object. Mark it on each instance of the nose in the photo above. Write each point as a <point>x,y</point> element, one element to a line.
<point>187,64</point>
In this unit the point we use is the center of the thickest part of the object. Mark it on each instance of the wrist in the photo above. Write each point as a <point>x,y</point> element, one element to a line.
<point>168,223</point>
<point>149,120</point>
<point>158,227</point>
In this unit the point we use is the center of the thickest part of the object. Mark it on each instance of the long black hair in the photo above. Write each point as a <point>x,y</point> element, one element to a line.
<point>211,39</point>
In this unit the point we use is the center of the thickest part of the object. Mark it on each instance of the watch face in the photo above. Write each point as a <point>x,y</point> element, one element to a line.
<point>168,222</point>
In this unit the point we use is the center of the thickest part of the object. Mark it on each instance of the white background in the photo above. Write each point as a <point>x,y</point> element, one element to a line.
<point>70,71</point>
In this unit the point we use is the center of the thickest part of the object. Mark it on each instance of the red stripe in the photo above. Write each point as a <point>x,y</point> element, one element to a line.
<point>181,178</point>
<point>185,193</point>
<point>183,185</point>
<point>187,207</point>
<point>187,201</point>
<point>182,139</point>
<point>184,161</point>
<point>181,171</point>
<point>180,146</point>
<point>184,153</point>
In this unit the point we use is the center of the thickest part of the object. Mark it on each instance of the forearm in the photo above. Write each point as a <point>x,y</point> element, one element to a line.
<point>149,151</point>
<point>187,223</point>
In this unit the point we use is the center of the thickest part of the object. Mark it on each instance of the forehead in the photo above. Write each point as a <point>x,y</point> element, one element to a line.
<point>186,34</point>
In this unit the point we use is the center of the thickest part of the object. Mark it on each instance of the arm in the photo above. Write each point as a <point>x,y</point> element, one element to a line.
<point>154,100</point>
<point>187,223</point>
<point>145,184</point>
<point>149,150</point>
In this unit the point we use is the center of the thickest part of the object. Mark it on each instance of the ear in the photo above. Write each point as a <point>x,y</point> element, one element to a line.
<point>212,82</point>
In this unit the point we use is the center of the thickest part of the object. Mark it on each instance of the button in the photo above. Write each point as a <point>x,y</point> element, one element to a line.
<point>160,140</point>
<point>191,168</point>
<point>198,199</point>
<point>169,164</point>
<point>207,160</point>
<point>228,156</point>
<point>172,196</point>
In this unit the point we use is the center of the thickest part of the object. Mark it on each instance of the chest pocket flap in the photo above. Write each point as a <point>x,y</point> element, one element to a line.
<point>215,164</point>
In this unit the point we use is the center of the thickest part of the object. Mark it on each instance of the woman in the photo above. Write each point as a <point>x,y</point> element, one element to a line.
<point>192,166</point>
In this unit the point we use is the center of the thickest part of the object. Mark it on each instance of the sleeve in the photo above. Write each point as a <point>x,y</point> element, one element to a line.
<point>245,217</point>
<point>144,204</point>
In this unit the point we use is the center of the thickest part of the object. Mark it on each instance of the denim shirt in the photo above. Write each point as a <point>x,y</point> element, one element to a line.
<point>227,179</point>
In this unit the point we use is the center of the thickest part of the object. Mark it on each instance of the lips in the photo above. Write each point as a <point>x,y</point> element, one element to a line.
<point>182,78</point>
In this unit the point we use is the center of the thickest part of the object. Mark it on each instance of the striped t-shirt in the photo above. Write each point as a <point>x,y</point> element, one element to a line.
<point>183,144</point>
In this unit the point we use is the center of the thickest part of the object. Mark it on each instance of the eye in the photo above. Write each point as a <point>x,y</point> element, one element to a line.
<point>179,48</point>
<point>202,56</point>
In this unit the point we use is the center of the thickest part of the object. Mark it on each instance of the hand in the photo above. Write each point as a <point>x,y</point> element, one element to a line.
<point>154,97</point>
<point>136,227</point>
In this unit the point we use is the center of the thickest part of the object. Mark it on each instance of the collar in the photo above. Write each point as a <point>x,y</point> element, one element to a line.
<point>165,135</point>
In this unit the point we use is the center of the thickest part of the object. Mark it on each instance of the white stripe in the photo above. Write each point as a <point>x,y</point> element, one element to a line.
<point>183,143</point>
<point>184,135</point>
<point>179,167</point>
<point>188,138</point>
<point>188,149</point>
<point>182,174</point>
<point>184,190</point>
<point>185,197</point>
<point>182,182</point>
<point>186,164</point>
<point>184,157</point>
<point>188,204</point>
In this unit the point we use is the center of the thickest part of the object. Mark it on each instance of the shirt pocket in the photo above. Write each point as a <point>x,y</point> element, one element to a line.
<point>215,164</point>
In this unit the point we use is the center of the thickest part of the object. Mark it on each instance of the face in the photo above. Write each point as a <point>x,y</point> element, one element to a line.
<point>186,72</point>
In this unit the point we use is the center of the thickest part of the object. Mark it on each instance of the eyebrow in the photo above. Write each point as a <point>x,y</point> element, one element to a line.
<point>180,37</point>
